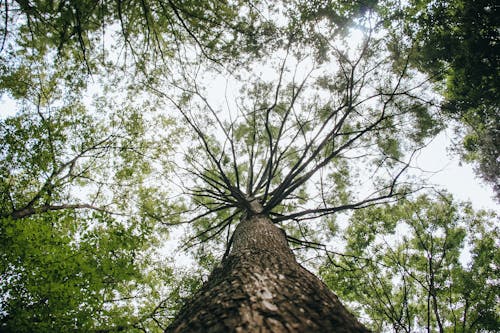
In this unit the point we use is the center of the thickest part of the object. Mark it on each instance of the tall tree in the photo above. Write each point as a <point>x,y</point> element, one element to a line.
<point>261,287</point>
<point>281,157</point>
<point>335,129</point>
<point>75,179</point>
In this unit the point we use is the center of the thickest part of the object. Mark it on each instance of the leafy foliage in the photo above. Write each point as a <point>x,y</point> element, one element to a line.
<point>424,263</point>
<point>115,139</point>
<point>59,273</point>
<point>281,134</point>
<point>149,30</point>
<point>78,242</point>
<point>456,43</point>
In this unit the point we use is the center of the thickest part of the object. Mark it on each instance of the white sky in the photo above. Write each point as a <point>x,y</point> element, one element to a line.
<point>444,170</point>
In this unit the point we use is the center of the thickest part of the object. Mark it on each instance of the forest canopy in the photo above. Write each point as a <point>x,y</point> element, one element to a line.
<point>135,125</point>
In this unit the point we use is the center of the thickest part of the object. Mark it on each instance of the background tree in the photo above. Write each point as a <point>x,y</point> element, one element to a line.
<point>423,264</point>
<point>147,31</point>
<point>456,44</point>
<point>78,247</point>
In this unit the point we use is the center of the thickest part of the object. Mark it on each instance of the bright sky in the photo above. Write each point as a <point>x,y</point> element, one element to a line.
<point>444,169</point>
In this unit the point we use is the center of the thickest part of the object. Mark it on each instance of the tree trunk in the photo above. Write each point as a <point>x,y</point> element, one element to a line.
<point>260,287</point>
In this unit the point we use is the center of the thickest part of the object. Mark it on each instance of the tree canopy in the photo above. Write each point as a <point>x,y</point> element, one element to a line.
<point>138,120</point>
<point>456,43</point>
<point>428,263</point>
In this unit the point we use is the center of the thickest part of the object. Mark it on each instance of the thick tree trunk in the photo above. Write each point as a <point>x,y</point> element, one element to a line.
<point>260,287</point>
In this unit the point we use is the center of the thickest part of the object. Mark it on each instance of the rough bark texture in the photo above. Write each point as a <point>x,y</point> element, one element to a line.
<point>260,287</point>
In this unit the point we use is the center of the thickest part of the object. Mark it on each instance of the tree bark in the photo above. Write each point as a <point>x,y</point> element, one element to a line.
<point>260,287</point>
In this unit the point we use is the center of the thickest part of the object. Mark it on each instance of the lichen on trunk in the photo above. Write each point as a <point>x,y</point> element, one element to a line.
<point>260,287</point>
